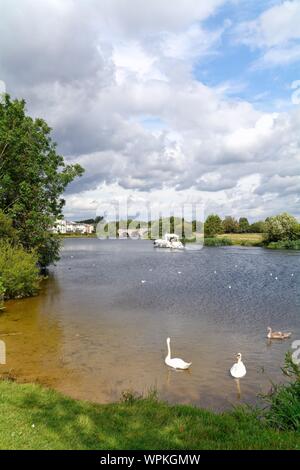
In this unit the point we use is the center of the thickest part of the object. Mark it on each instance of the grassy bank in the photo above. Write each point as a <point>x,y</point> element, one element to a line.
<point>244,239</point>
<point>285,245</point>
<point>217,241</point>
<point>78,235</point>
<point>32,417</point>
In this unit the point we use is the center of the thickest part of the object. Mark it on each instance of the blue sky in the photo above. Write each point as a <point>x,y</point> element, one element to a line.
<point>235,62</point>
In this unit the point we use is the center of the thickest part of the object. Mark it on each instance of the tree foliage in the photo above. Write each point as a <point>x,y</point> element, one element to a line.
<point>281,227</point>
<point>33,176</point>
<point>243,225</point>
<point>7,231</point>
<point>230,225</point>
<point>257,227</point>
<point>19,274</point>
<point>212,225</point>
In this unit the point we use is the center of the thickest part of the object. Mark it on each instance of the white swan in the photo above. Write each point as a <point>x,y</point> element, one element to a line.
<point>176,363</point>
<point>238,369</point>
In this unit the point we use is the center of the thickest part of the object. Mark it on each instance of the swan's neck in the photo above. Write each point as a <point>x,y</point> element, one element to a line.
<point>169,350</point>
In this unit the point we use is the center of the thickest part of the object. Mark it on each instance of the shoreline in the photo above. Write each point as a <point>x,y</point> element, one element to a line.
<point>243,242</point>
<point>52,420</point>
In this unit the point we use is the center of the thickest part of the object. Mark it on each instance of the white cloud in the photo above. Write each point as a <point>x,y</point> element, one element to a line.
<point>99,71</point>
<point>190,44</point>
<point>279,56</point>
<point>130,59</point>
<point>276,32</point>
<point>274,27</point>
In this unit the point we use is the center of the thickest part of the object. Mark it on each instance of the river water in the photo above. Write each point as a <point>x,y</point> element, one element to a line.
<point>97,330</point>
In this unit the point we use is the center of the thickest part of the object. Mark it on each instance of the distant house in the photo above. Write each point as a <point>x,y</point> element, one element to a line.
<point>69,227</point>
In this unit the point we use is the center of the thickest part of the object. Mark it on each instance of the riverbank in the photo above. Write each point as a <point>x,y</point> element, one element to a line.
<point>243,239</point>
<point>33,417</point>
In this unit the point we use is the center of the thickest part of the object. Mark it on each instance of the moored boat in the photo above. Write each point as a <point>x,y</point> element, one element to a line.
<point>170,240</point>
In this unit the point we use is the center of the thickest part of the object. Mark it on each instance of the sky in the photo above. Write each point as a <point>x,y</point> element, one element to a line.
<point>164,102</point>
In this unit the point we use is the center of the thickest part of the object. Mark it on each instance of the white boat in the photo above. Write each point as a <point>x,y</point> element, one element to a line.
<point>170,240</point>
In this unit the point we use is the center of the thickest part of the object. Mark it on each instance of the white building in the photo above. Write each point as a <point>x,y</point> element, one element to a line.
<point>69,227</point>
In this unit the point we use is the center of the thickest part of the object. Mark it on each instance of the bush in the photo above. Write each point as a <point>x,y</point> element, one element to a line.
<point>284,401</point>
<point>285,245</point>
<point>281,227</point>
<point>213,241</point>
<point>19,272</point>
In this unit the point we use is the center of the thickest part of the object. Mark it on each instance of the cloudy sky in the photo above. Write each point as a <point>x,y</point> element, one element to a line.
<point>164,101</point>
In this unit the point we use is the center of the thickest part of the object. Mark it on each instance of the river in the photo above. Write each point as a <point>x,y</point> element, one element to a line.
<point>97,330</point>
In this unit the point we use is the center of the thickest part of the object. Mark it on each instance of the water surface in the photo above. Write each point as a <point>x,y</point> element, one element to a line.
<point>97,330</point>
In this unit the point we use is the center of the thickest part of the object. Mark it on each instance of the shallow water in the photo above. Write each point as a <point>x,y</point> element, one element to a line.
<point>97,330</point>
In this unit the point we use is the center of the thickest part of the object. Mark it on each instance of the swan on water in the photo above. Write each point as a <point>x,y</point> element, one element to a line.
<point>277,334</point>
<point>176,363</point>
<point>238,369</point>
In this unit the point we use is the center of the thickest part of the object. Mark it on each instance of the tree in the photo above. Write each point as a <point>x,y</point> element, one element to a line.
<point>32,178</point>
<point>257,227</point>
<point>172,224</point>
<point>212,225</point>
<point>243,225</point>
<point>7,230</point>
<point>230,225</point>
<point>281,227</point>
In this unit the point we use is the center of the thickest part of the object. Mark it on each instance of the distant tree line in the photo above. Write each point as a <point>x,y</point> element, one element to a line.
<point>214,225</point>
<point>283,229</point>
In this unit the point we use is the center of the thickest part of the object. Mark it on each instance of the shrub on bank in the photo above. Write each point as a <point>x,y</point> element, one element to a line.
<point>285,245</point>
<point>214,241</point>
<point>19,273</point>
<point>251,243</point>
<point>284,401</point>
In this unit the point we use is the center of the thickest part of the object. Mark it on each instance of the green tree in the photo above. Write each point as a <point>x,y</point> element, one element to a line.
<point>281,227</point>
<point>172,224</point>
<point>7,230</point>
<point>257,227</point>
<point>243,225</point>
<point>212,225</point>
<point>230,225</point>
<point>33,176</point>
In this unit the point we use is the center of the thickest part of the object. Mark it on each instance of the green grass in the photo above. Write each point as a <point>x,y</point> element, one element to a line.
<point>285,245</point>
<point>217,241</point>
<point>78,235</point>
<point>32,417</point>
<point>244,239</point>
